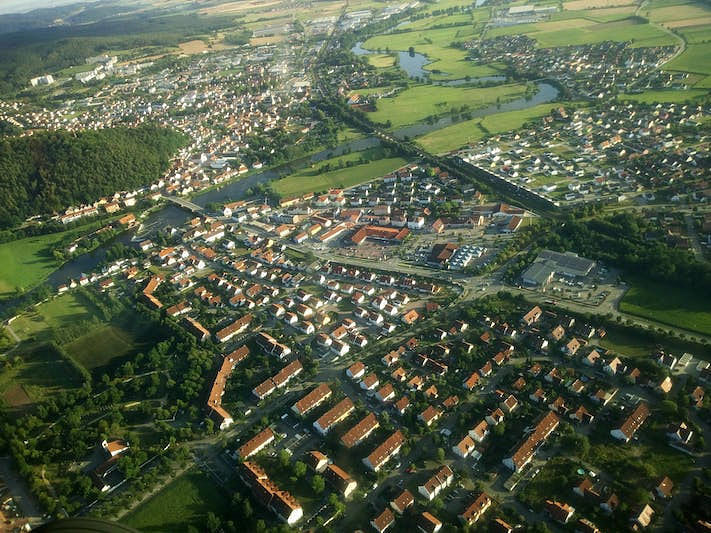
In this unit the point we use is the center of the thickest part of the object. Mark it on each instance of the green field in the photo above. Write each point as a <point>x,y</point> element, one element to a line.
<point>632,344</point>
<point>670,95</point>
<point>381,60</point>
<point>25,263</point>
<point>38,373</point>
<point>456,135</point>
<point>318,179</point>
<point>422,101</point>
<point>52,314</point>
<point>99,347</point>
<point>679,306</point>
<point>697,34</point>
<point>182,503</point>
<point>583,31</point>
<point>696,58</point>
<point>451,62</point>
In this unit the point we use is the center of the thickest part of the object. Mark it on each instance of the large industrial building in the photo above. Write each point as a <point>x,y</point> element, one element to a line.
<point>550,263</point>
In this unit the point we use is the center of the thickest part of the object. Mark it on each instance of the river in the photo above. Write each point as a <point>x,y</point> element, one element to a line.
<point>171,215</point>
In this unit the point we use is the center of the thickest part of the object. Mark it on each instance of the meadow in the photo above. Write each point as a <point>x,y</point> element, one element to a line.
<point>449,62</point>
<point>470,131</point>
<point>183,502</point>
<point>422,101</point>
<point>680,307</point>
<point>318,178</point>
<point>39,321</point>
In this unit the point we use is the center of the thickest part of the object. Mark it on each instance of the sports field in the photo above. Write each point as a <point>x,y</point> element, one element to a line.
<point>422,101</point>
<point>457,135</point>
<point>679,306</point>
<point>182,503</point>
<point>381,60</point>
<point>318,179</point>
<point>37,322</point>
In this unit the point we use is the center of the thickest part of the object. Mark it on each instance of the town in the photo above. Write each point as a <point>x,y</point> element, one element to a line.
<point>356,266</point>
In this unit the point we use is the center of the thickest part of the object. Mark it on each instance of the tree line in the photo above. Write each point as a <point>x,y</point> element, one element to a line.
<point>51,171</point>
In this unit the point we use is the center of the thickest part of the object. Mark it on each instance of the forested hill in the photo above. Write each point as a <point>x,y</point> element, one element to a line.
<point>51,171</point>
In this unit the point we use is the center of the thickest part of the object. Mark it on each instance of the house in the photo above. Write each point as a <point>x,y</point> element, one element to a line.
<point>313,399</point>
<point>439,481</point>
<point>401,405</point>
<point>333,416</point>
<point>475,510</point>
<point>559,511</point>
<point>316,460</point>
<point>610,503</point>
<point>235,328</point>
<point>464,447</point>
<point>471,381</point>
<point>428,523</point>
<point>632,423</point>
<point>369,382</point>
<point>643,517</point>
<point>383,453</point>
<point>383,521</point>
<point>510,404</point>
<point>360,431</point>
<point>532,316</point>
<point>385,393</point>
<point>356,370</point>
<point>495,417</point>
<point>499,526</point>
<point>257,443</point>
<point>480,431</point>
<point>402,502</point>
<point>430,415</point>
<point>664,488</point>
<point>582,415</point>
<point>680,433</point>
<point>340,480</point>
<point>524,453</point>
<point>114,448</point>
<point>571,347</point>
<point>665,386</point>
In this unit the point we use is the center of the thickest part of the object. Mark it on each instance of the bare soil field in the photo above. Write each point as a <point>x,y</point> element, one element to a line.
<point>591,4</point>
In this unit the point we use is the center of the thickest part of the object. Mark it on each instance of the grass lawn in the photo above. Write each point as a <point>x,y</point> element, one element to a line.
<point>456,135</point>
<point>696,58</point>
<point>39,372</point>
<point>419,102</point>
<point>25,263</point>
<point>183,502</point>
<point>315,179</point>
<point>53,314</point>
<point>629,343</point>
<point>675,306</point>
<point>671,95</point>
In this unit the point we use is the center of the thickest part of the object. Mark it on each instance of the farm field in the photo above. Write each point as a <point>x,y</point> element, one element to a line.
<point>456,135</point>
<point>314,179</point>
<point>422,101</point>
<point>583,31</point>
<point>672,96</point>
<point>680,306</point>
<point>37,374</point>
<point>182,503</point>
<point>696,58</point>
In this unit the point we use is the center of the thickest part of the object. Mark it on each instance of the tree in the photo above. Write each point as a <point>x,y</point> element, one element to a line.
<point>299,469</point>
<point>284,458</point>
<point>213,522</point>
<point>440,454</point>
<point>318,484</point>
